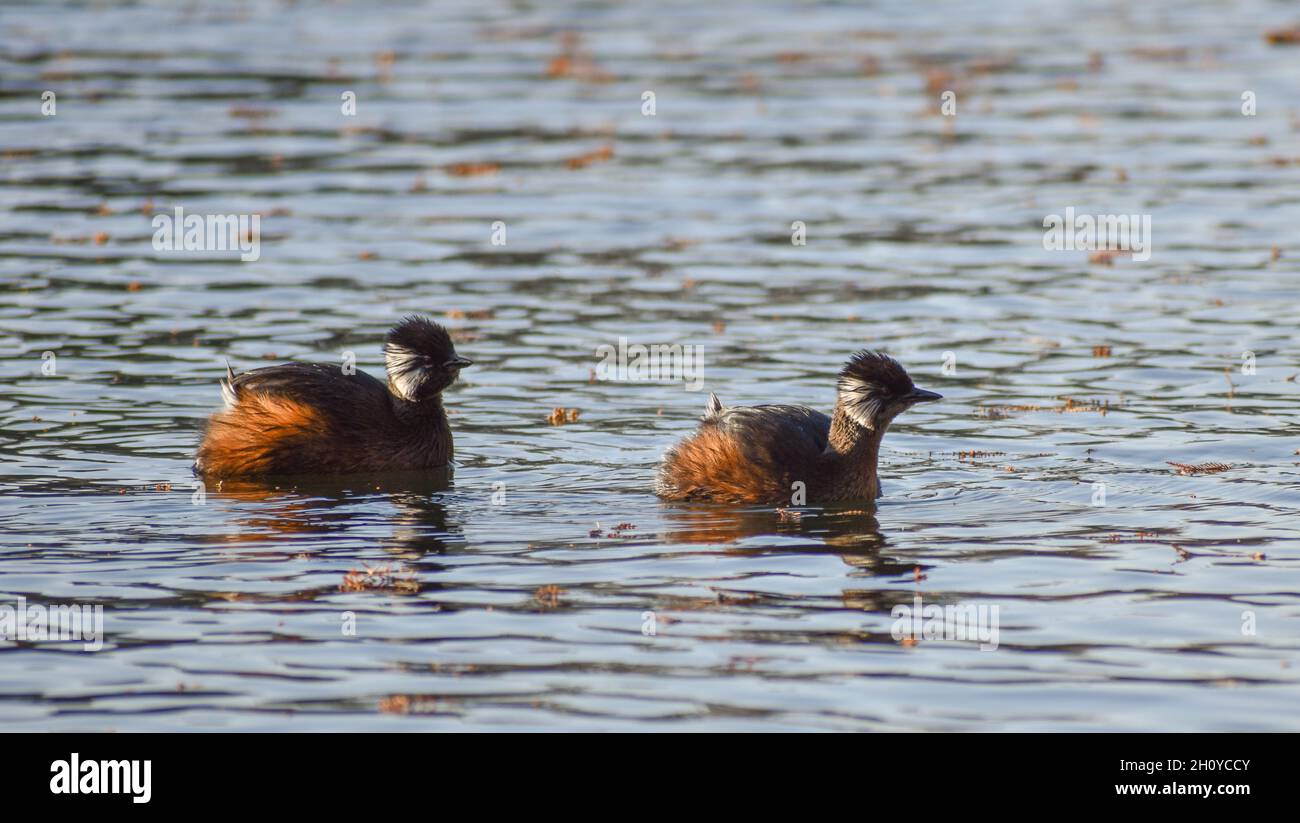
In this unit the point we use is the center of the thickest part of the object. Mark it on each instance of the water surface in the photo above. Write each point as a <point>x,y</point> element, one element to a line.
<point>515,596</point>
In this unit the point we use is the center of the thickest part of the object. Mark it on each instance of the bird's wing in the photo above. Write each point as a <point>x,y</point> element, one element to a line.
<point>313,383</point>
<point>781,436</point>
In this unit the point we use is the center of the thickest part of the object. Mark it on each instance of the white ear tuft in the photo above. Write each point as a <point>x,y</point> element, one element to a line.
<point>404,373</point>
<point>860,401</point>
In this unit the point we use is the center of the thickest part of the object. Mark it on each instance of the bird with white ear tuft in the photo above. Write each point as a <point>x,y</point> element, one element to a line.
<point>765,454</point>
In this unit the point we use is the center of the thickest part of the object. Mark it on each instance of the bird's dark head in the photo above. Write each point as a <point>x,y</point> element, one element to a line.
<point>874,389</point>
<point>420,359</point>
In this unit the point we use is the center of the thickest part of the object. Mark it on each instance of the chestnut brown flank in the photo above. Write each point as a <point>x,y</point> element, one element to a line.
<point>256,436</point>
<point>710,465</point>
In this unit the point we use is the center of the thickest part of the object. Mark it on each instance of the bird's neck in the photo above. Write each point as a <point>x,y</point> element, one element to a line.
<point>854,451</point>
<point>417,412</point>
<point>423,434</point>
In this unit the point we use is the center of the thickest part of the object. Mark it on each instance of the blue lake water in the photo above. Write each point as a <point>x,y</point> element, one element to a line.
<point>517,596</point>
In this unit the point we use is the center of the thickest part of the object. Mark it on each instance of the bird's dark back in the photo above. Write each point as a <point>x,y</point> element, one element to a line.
<point>323,386</point>
<point>784,435</point>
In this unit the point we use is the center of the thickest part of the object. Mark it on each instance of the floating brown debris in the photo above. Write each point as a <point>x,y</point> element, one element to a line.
<point>250,113</point>
<point>575,62</point>
<point>472,169</point>
<point>382,578</point>
<point>1069,405</point>
<point>993,64</point>
<point>939,80</point>
<point>789,515</point>
<point>407,704</point>
<point>1104,257</point>
<point>1140,535</point>
<point>621,530</point>
<point>474,314</point>
<point>1072,405</point>
<point>395,704</point>
<point>1199,468</point>
<point>548,596</point>
<point>560,66</point>
<point>561,416</point>
<point>1283,37</point>
<point>725,598</point>
<point>1101,351</point>
<point>599,155</point>
<point>1174,53</point>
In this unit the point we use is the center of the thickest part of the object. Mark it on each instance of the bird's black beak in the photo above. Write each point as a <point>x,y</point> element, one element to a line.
<point>921,396</point>
<point>458,363</point>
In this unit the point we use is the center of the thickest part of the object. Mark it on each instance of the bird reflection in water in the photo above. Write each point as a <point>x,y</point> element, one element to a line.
<point>852,531</point>
<point>306,514</point>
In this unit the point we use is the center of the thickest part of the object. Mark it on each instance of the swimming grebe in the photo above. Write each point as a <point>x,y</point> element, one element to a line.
<point>313,418</point>
<point>757,454</point>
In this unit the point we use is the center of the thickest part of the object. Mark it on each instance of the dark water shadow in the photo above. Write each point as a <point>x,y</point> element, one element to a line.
<point>833,528</point>
<point>309,511</point>
<point>850,531</point>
